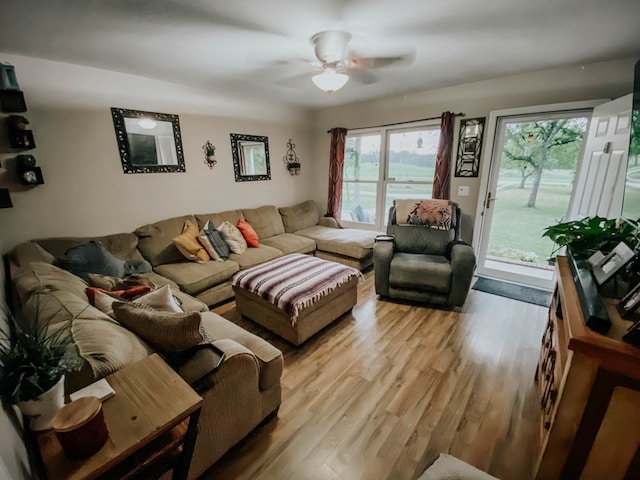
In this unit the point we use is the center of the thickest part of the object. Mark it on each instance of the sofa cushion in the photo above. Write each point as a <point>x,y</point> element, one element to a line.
<point>349,242</point>
<point>23,254</point>
<point>300,216</point>
<point>155,241</point>
<point>92,257</point>
<point>414,271</point>
<point>193,278</point>
<point>290,243</point>
<point>265,220</point>
<point>189,245</point>
<point>269,357</point>
<point>233,237</point>
<point>103,344</point>
<point>249,234</point>
<point>254,256</point>
<point>122,245</point>
<point>231,216</point>
<point>167,331</point>
<point>39,275</point>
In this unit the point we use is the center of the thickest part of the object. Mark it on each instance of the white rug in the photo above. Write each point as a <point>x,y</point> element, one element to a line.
<point>448,467</point>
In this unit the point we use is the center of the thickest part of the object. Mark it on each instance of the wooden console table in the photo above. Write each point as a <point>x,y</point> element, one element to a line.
<point>152,422</point>
<point>590,393</point>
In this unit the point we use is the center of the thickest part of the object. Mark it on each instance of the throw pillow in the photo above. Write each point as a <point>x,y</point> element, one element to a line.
<point>128,294</point>
<point>248,233</point>
<point>233,237</point>
<point>92,257</point>
<point>188,244</point>
<point>171,332</point>
<point>161,299</point>
<point>107,282</point>
<point>212,241</point>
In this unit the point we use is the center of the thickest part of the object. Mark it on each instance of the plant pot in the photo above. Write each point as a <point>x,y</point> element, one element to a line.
<point>41,410</point>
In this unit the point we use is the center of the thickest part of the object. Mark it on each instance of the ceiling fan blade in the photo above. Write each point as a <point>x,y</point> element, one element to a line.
<point>381,62</point>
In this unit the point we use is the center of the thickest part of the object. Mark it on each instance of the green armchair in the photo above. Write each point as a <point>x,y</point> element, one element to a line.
<point>424,264</point>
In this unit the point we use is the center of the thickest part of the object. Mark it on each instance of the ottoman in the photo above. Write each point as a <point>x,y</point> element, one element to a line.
<point>297,295</point>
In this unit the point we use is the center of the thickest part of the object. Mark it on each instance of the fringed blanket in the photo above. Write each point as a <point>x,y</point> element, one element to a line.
<point>294,281</point>
<point>430,213</point>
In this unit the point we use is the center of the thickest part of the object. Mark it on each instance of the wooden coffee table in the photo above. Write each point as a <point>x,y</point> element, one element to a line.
<point>152,422</point>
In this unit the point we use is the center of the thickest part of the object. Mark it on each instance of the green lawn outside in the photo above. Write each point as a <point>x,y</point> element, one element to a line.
<point>514,226</point>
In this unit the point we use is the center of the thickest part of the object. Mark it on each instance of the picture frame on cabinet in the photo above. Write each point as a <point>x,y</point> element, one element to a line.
<point>607,267</point>
<point>629,303</point>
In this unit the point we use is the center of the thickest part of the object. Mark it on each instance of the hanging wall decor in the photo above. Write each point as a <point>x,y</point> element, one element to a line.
<point>291,159</point>
<point>469,147</point>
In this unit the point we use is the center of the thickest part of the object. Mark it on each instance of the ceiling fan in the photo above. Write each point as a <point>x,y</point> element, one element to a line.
<point>336,63</point>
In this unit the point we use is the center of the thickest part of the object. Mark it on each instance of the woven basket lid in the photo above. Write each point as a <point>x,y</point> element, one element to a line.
<point>76,414</point>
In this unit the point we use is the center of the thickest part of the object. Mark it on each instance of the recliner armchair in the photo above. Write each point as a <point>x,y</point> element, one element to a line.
<point>425,264</point>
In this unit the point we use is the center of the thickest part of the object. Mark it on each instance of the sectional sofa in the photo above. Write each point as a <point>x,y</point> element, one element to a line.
<point>245,389</point>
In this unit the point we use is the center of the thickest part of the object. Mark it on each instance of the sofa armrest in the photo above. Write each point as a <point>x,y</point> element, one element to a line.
<point>382,255</point>
<point>463,263</point>
<point>197,369</point>
<point>328,222</point>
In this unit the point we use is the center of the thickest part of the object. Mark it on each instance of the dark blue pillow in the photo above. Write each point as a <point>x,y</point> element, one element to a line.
<point>216,241</point>
<point>92,257</point>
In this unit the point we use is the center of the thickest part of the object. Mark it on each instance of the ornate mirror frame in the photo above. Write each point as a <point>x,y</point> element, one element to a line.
<point>239,142</point>
<point>160,152</point>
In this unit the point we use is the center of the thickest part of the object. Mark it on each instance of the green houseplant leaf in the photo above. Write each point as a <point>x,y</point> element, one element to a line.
<point>33,357</point>
<point>591,234</point>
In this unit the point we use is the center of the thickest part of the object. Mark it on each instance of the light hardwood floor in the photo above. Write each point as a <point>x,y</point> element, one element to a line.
<point>382,391</point>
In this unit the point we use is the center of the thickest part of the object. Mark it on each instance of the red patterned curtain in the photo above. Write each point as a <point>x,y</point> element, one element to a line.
<point>336,165</point>
<point>442,175</point>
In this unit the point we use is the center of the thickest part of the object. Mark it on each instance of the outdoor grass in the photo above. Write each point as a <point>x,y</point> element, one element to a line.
<point>517,227</point>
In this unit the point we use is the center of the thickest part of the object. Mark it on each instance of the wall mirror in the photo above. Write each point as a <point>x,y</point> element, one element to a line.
<point>148,142</point>
<point>250,157</point>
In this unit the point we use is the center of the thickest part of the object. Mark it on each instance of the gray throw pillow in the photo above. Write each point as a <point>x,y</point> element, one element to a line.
<point>217,242</point>
<point>92,257</point>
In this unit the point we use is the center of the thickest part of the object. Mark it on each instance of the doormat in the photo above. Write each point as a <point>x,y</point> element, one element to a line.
<point>514,291</point>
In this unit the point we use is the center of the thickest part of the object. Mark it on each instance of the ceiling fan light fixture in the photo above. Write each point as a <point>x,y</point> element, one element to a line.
<point>330,81</point>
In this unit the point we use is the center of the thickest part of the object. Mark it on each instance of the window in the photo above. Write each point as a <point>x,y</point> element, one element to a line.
<point>383,164</point>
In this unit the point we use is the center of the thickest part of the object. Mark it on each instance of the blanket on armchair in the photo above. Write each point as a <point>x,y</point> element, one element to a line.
<point>294,281</point>
<point>430,213</point>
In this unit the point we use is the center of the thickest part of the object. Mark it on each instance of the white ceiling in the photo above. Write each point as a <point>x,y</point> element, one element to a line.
<point>260,48</point>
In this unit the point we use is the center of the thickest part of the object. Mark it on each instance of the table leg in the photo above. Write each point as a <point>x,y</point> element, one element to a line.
<point>181,470</point>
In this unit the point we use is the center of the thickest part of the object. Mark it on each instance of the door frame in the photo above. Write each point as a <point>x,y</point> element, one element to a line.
<point>491,140</point>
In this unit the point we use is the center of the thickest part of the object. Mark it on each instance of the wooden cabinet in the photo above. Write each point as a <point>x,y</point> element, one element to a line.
<point>589,393</point>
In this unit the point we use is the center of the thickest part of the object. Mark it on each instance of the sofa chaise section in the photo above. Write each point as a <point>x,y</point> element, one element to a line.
<point>349,246</point>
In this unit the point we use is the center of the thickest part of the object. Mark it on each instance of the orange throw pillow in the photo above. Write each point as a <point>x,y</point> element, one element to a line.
<point>248,233</point>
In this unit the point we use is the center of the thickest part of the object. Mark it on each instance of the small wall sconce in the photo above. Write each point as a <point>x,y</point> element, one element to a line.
<point>209,154</point>
<point>291,159</point>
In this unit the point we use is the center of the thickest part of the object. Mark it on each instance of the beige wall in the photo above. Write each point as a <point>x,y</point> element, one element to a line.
<point>86,191</point>
<point>567,84</point>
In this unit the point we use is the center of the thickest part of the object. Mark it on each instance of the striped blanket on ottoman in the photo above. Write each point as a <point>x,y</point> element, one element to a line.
<point>294,282</point>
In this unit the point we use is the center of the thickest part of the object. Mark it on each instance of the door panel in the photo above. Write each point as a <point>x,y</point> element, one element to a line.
<point>600,180</point>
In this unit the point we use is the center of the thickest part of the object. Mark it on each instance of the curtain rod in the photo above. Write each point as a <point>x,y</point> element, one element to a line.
<point>403,123</point>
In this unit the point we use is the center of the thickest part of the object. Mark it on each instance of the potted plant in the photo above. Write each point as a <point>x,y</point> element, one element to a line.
<point>33,362</point>
<point>591,234</point>
<point>209,154</point>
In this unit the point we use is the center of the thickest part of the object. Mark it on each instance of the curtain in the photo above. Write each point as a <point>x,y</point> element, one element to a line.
<point>442,175</point>
<point>336,165</point>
